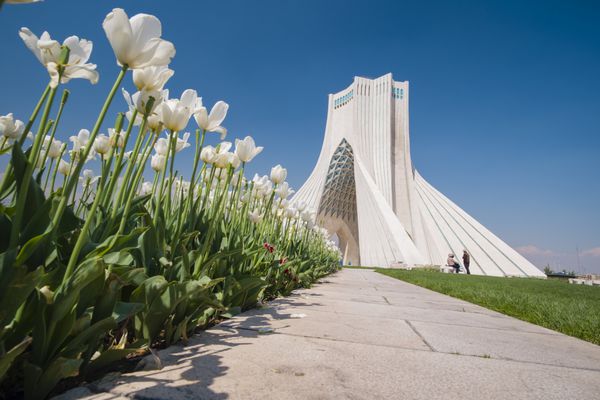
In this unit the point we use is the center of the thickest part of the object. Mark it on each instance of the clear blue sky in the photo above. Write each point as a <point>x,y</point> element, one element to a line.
<point>505,95</point>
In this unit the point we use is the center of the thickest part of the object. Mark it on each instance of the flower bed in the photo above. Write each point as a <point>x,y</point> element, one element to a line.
<point>96,268</point>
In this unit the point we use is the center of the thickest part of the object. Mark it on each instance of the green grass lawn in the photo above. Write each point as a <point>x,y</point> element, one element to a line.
<point>571,309</point>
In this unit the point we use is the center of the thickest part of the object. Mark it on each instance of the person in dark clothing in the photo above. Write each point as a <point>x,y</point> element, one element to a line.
<point>466,261</point>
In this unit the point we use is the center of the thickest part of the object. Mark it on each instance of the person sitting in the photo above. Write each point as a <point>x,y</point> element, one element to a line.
<point>453,263</point>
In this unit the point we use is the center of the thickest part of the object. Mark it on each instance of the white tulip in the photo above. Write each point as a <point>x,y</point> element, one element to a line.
<point>208,154</point>
<point>116,139</point>
<point>255,216</point>
<point>88,177</point>
<point>48,52</point>
<point>300,206</point>
<point>290,212</point>
<point>152,78</point>
<point>283,204</point>
<point>212,122</point>
<point>102,144</point>
<point>308,215</point>
<point>260,182</point>
<point>278,174</point>
<point>154,122</point>
<point>161,146</point>
<point>246,149</point>
<point>222,160</point>
<point>64,167</point>
<point>182,143</point>
<point>81,140</point>
<point>52,148</point>
<point>11,128</point>
<point>234,160</point>
<point>136,41</point>
<point>235,179</point>
<point>158,162</point>
<point>139,101</point>
<point>145,189</point>
<point>284,190</point>
<point>176,113</point>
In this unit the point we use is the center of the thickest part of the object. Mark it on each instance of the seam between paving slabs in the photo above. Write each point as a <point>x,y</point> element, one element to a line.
<point>552,333</point>
<point>427,351</point>
<point>484,311</point>
<point>419,335</point>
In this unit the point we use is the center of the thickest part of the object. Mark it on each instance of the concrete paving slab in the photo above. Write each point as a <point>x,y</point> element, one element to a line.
<point>521,346</point>
<point>330,325</point>
<point>348,345</point>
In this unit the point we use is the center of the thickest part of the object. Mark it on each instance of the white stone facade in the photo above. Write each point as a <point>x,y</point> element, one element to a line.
<point>367,191</point>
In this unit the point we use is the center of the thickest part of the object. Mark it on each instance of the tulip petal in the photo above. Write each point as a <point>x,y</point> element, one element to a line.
<point>201,117</point>
<point>221,130</point>
<point>85,71</point>
<point>188,98</point>
<point>218,114</point>
<point>53,71</point>
<point>31,40</point>
<point>79,49</point>
<point>118,31</point>
<point>144,28</point>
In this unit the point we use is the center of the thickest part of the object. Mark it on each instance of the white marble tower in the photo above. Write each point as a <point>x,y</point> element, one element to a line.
<point>366,190</point>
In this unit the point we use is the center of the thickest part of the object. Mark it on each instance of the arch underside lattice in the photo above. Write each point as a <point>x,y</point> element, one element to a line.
<point>337,208</point>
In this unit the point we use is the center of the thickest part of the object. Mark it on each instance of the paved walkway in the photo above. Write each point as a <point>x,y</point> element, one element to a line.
<point>362,335</point>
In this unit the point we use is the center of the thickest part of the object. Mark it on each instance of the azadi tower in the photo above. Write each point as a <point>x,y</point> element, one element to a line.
<point>366,191</point>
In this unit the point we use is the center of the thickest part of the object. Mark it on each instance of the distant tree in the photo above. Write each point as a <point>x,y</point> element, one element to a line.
<point>548,270</point>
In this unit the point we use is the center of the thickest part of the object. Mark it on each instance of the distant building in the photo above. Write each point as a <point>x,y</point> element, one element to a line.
<point>366,190</point>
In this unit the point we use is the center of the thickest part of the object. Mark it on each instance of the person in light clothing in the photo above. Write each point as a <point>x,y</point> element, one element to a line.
<point>453,263</point>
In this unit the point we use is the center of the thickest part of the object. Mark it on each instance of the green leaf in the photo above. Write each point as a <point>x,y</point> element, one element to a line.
<point>124,310</point>
<point>38,382</point>
<point>7,359</point>
<point>89,336</point>
<point>108,357</point>
<point>35,196</point>
<point>29,248</point>
<point>67,294</point>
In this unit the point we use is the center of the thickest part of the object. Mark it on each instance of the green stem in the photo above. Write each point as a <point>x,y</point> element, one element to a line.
<point>130,165</point>
<point>73,179</point>
<point>21,140</point>
<point>173,145</point>
<point>131,194</point>
<point>24,189</point>
<point>119,163</point>
<point>62,151</point>
<point>48,174</point>
<point>162,186</point>
<point>63,101</point>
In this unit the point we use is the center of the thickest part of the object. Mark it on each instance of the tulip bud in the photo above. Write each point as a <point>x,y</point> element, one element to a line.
<point>48,294</point>
<point>49,126</point>
<point>65,97</point>
<point>208,154</point>
<point>119,122</point>
<point>102,144</point>
<point>64,167</point>
<point>278,174</point>
<point>158,162</point>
